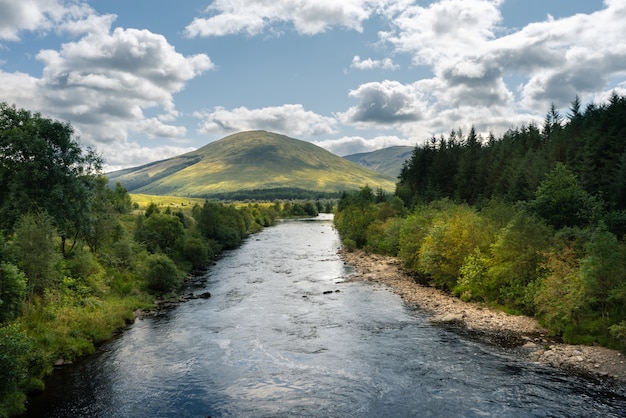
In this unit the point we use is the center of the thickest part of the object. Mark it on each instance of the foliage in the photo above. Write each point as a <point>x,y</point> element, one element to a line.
<point>160,232</point>
<point>35,250</point>
<point>561,200</point>
<point>561,298</point>
<point>161,274</point>
<point>71,271</point>
<point>12,291</point>
<point>43,168</point>
<point>450,238</point>
<point>13,369</point>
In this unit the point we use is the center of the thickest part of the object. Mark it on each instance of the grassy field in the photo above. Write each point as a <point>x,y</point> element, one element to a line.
<point>143,200</point>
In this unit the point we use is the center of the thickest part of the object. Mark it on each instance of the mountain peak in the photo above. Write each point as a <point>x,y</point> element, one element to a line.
<point>250,160</point>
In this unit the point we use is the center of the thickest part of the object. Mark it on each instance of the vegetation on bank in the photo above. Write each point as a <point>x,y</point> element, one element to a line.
<point>78,256</point>
<point>532,222</point>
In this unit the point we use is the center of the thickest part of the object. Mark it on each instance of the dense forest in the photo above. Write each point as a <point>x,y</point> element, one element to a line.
<point>78,258</point>
<point>532,222</point>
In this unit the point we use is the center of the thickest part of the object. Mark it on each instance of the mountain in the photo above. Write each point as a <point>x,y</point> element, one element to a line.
<point>248,161</point>
<point>387,161</point>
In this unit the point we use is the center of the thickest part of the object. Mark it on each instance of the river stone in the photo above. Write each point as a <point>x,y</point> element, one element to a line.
<point>447,318</point>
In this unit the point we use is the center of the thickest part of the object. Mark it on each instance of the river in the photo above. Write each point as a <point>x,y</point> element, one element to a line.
<point>283,336</point>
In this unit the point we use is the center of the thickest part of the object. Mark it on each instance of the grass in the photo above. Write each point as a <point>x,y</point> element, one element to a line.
<point>143,200</point>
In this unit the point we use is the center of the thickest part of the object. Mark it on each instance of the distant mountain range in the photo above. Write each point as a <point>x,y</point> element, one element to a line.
<point>387,161</point>
<point>254,160</point>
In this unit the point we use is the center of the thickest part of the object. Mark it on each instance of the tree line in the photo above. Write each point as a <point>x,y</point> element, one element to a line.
<point>77,257</point>
<point>532,222</point>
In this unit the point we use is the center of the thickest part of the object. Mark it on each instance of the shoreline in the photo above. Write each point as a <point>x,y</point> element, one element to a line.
<point>492,325</point>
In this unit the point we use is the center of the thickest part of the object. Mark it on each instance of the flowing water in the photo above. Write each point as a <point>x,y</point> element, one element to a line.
<point>273,342</point>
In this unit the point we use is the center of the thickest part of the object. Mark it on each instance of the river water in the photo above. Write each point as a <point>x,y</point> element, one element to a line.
<point>272,342</point>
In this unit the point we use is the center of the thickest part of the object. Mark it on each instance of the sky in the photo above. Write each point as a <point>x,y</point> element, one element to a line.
<point>145,80</point>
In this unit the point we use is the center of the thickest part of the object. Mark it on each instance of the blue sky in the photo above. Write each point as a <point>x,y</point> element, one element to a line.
<point>141,80</point>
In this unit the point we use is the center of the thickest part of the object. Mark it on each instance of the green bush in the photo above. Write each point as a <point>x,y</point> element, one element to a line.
<point>12,291</point>
<point>196,251</point>
<point>162,275</point>
<point>13,369</point>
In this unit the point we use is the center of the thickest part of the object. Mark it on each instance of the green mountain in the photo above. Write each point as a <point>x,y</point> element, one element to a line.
<point>250,161</point>
<point>387,161</point>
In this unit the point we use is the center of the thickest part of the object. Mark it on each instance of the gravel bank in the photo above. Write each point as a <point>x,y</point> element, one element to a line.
<point>495,326</point>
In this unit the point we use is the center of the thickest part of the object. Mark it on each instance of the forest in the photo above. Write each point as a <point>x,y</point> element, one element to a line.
<point>78,258</point>
<point>532,222</point>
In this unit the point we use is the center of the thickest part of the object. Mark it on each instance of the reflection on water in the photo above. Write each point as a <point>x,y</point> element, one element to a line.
<point>271,341</point>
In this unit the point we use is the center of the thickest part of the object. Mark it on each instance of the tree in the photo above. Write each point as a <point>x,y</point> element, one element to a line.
<point>561,298</point>
<point>162,275</point>
<point>43,168</point>
<point>161,231</point>
<point>12,291</point>
<point>13,369</point>
<point>35,251</point>
<point>561,200</point>
<point>603,270</point>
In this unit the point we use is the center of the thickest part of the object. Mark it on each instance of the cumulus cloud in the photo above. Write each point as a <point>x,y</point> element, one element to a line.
<point>25,15</point>
<point>369,64</point>
<point>104,81</point>
<point>308,17</point>
<point>290,119</point>
<point>386,102</point>
<point>471,60</point>
<point>21,16</point>
<point>348,145</point>
<point>135,155</point>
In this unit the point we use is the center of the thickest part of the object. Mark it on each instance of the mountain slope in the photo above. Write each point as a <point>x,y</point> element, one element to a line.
<point>246,161</point>
<point>387,161</point>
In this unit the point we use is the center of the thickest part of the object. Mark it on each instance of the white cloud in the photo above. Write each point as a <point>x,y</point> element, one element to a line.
<point>348,145</point>
<point>308,17</point>
<point>384,103</point>
<point>135,155</point>
<point>369,64</point>
<point>25,15</point>
<point>105,81</point>
<point>289,119</point>
<point>45,15</point>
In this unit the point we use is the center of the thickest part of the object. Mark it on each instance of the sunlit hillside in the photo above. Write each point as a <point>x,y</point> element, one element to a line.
<point>247,161</point>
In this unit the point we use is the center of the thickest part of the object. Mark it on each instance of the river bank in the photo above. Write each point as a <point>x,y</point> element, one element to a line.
<point>493,325</point>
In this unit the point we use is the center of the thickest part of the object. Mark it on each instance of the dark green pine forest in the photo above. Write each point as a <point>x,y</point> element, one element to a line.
<point>532,222</point>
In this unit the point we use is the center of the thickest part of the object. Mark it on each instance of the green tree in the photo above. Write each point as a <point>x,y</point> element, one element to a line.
<point>562,201</point>
<point>35,251</point>
<point>43,168</point>
<point>561,299</point>
<point>452,237</point>
<point>12,291</point>
<point>603,270</point>
<point>161,274</point>
<point>515,261</point>
<point>161,231</point>
<point>13,369</point>
<point>120,199</point>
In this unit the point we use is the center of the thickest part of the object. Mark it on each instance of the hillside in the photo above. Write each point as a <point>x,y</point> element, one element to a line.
<point>248,161</point>
<point>387,161</point>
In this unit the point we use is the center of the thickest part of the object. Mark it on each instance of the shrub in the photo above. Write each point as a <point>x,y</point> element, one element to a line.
<point>12,291</point>
<point>13,369</point>
<point>162,275</point>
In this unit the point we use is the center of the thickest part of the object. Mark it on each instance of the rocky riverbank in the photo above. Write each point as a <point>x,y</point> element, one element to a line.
<point>495,326</point>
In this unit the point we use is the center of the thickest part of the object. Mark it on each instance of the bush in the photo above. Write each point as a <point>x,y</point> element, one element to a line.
<point>13,369</point>
<point>196,251</point>
<point>12,291</point>
<point>162,275</point>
